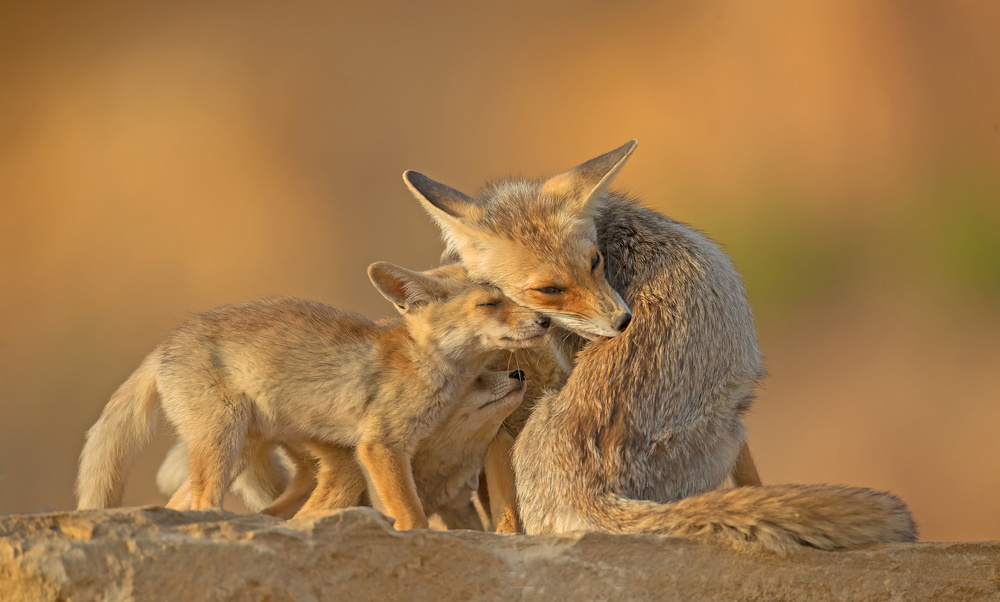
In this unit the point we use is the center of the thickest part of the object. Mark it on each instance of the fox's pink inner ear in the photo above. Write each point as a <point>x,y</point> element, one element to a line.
<point>387,281</point>
<point>589,181</point>
<point>403,288</point>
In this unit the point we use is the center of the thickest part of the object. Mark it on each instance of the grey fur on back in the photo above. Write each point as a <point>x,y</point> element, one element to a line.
<point>654,413</point>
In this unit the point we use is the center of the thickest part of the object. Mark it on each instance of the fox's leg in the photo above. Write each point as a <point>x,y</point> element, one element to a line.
<point>390,476</point>
<point>500,484</point>
<point>297,492</point>
<point>483,494</point>
<point>745,471</point>
<point>181,500</point>
<point>339,480</point>
<point>213,453</point>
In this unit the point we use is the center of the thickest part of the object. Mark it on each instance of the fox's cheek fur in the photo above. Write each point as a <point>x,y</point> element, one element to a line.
<point>542,302</point>
<point>594,309</point>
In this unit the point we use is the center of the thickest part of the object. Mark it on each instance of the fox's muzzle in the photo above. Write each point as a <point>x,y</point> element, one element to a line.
<point>622,321</point>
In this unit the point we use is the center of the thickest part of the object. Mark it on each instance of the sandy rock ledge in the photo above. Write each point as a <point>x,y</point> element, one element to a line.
<point>152,553</point>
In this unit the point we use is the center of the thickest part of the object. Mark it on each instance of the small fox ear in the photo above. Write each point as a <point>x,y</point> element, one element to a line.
<point>452,210</point>
<point>405,288</point>
<point>449,256</point>
<point>589,181</point>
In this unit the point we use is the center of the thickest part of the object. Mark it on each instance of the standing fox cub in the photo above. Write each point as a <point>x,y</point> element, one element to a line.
<point>446,464</point>
<point>649,422</point>
<point>304,373</point>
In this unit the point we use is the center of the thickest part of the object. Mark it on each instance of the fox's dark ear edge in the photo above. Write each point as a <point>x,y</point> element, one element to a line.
<point>444,198</point>
<point>454,213</point>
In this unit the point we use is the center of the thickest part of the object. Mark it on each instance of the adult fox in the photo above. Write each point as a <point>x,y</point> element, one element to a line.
<point>649,423</point>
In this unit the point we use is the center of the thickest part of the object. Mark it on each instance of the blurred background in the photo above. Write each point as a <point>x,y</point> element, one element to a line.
<point>158,160</point>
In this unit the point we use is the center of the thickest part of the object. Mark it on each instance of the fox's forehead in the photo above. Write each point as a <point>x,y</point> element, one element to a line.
<point>466,287</point>
<point>517,214</point>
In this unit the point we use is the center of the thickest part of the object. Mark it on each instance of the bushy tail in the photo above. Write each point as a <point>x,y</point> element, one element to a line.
<point>263,478</point>
<point>173,471</point>
<point>776,517</point>
<point>126,425</point>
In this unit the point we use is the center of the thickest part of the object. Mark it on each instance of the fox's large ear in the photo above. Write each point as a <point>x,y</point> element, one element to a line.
<point>589,181</point>
<point>452,210</point>
<point>442,198</point>
<point>405,288</point>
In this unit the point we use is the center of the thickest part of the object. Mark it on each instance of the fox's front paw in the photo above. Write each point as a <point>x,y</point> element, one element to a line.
<point>508,523</point>
<point>408,523</point>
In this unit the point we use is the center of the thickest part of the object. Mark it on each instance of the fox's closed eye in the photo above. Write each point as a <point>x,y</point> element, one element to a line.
<point>549,290</point>
<point>490,304</point>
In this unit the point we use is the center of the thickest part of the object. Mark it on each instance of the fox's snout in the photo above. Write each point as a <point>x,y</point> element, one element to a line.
<point>622,321</point>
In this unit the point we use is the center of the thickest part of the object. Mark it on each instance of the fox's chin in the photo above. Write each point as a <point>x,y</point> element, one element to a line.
<point>523,342</point>
<point>504,397</point>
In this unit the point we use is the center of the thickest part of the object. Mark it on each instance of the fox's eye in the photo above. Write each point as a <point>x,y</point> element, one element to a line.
<point>490,304</point>
<point>549,290</point>
<point>595,261</point>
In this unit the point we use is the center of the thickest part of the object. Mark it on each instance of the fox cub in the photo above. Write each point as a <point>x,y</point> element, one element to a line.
<point>304,373</point>
<point>446,465</point>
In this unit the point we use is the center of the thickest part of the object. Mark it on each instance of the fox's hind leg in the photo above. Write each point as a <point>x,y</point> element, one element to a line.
<point>390,477</point>
<point>214,454</point>
<point>299,488</point>
<point>339,480</point>
<point>181,499</point>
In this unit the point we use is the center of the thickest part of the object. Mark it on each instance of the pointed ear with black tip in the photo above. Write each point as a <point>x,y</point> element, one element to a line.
<point>452,210</point>
<point>589,181</point>
<point>404,288</point>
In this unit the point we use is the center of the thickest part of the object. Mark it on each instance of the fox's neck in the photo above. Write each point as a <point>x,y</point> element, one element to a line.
<point>442,361</point>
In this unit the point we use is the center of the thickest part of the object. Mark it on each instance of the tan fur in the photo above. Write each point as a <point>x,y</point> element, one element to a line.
<point>544,373</point>
<point>500,484</point>
<point>446,464</point>
<point>649,421</point>
<point>299,371</point>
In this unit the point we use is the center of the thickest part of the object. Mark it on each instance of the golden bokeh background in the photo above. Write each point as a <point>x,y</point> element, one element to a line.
<point>159,159</point>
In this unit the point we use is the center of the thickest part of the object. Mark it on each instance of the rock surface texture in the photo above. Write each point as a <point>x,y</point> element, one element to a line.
<point>151,553</point>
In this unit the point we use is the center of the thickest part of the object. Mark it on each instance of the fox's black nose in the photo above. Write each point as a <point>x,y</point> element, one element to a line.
<point>518,374</point>
<point>622,322</point>
<point>543,322</point>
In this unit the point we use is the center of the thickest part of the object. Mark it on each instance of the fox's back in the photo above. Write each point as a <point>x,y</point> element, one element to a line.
<point>273,336</point>
<point>285,354</point>
<point>685,285</point>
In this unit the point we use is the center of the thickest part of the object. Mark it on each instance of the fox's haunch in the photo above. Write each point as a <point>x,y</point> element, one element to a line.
<point>125,427</point>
